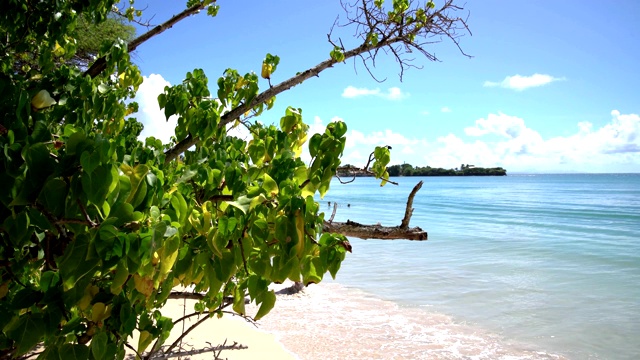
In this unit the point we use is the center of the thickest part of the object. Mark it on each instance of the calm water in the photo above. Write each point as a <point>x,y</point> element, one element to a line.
<point>548,263</point>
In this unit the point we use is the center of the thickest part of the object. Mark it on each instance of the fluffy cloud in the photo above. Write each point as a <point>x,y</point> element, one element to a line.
<point>612,147</point>
<point>393,93</point>
<point>359,145</point>
<point>519,82</point>
<point>501,124</point>
<point>506,140</point>
<point>150,115</point>
<point>445,109</point>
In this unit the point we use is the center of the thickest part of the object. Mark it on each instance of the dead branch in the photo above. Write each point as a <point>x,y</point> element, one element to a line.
<point>377,231</point>
<point>333,214</point>
<point>193,351</point>
<point>409,210</point>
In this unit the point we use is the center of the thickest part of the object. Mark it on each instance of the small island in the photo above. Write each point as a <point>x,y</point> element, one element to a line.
<point>408,170</point>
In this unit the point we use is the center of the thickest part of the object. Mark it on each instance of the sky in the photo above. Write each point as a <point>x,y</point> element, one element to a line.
<point>550,87</point>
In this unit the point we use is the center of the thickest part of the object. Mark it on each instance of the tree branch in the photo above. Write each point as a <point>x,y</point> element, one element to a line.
<point>213,349</point>
<point>101,63</point>
<point>377,231</point>
<point>235,113</point>
<point>409,210</point>
<point>393,33</point>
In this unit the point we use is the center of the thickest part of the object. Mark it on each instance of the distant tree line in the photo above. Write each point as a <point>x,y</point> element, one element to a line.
<point>464,170</point>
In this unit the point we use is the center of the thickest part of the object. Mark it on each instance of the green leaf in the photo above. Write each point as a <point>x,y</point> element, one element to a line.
<point>136,176</point>
<point>26,332</point>
<point>18,228</point>
<point>74,352</point>
<point>243,203</point>
<point>269,185</point>
<point>238,301</point>
<point>99,346</point>
<point>340,129</point>
<point>48,280</point>
<point>90,160</point>
<point>40,163</point>
<point>97,184</point>
<point>158,234</point>
<point>268,301</point>
<point>53,196</point>
<point>179,205</point>
<point>73,265</point>
<point>337,54</point>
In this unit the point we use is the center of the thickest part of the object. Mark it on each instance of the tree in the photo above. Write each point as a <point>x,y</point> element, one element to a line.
<point>88,36</point>
<point>97,227</point>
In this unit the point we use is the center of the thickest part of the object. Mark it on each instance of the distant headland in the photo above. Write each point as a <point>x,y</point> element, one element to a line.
<point>409,170</point>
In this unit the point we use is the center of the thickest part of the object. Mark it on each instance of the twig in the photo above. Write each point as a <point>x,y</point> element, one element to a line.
<point>84,212</point>
<point>219,348</point>
<point>221,198</point>
<point>185,333</point>
<point>134,350</point>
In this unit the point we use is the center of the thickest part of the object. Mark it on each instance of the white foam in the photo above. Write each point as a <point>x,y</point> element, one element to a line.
<point>329,321</point>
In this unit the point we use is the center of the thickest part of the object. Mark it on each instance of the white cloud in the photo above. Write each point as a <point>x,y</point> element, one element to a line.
<point>149,114</point>
<point>445,109</point>
<point>506,140</point>
<point>612,147</point>
<point>359,145</point>
<point>519,82</point>
<point>501,124</point>
<point>393,93</point>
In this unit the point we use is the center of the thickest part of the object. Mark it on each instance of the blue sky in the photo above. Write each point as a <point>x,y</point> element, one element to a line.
<point>552,86</point>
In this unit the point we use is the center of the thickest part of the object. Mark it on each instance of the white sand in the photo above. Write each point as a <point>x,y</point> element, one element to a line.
<point>214,331</point>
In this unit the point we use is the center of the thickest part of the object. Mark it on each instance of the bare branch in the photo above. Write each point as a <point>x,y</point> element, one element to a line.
<point>377,231</point>
<point>185,333</point>
<point>193,351</point>
<point>333,214</point>
<point>86,216</point>
<point>409,210</point>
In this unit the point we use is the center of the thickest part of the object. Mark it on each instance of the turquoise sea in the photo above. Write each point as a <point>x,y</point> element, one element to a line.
<point>546,264</point>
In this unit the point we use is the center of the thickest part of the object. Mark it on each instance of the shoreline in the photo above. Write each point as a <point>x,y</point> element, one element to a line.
<point>331,321</point>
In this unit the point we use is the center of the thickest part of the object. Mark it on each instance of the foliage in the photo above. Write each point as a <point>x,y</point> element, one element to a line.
<point>409,170</point>
<point>25,52</point>
<point>90,36</point>
<point>97,227</point>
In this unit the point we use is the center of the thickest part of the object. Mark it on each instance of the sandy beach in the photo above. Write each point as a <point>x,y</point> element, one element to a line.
<point>252,342</point>
<point>328,321</point>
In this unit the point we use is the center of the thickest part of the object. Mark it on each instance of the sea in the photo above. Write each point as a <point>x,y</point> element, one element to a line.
<point>526,266</point>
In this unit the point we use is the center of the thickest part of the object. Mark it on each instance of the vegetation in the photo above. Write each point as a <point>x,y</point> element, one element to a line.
<point>465,170</point>
<point>88,35</point>
<point>98,227</point>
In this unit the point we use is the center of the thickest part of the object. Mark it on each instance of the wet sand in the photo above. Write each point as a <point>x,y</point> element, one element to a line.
<point>329,321</point>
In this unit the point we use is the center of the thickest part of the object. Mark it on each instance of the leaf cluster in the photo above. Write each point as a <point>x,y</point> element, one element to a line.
<point>96,228</point>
